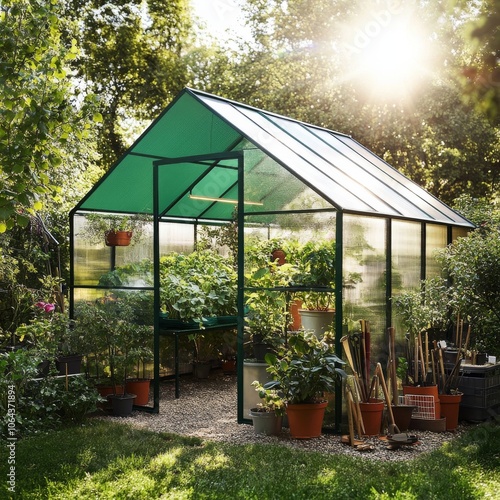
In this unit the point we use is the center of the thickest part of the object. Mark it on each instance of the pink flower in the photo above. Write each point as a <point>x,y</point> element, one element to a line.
<point>49,308</point>
<point>46,306</point>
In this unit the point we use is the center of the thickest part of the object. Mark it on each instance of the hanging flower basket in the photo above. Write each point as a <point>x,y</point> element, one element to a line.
<point>118,238</point>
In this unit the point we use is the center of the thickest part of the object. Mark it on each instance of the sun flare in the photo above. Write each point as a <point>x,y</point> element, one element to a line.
<point>390,56</point>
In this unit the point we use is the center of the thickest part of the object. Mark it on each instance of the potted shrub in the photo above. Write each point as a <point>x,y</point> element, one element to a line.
<point>303,370</point>
<point>115,230</point>
<point>196,289</point>
<point>267,416</point>
<point>109,327</point>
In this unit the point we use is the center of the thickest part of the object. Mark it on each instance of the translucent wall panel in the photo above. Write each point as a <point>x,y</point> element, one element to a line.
<point>436,239</point>
<point>365,255</point>
<point>406,266</point>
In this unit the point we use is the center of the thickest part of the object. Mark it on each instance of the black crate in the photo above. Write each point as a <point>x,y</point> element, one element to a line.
<point>480,386</point>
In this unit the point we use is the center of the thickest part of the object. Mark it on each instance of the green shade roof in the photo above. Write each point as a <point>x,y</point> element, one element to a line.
<point>334,166</point>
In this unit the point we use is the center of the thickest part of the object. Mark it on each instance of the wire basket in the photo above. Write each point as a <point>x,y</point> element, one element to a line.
<point>425,405</point>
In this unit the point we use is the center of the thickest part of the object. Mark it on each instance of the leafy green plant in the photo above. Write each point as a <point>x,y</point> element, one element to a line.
<point>197,286</point>
<point>304,369</point>
<point>473,266</point>
<point>267,307</point>
<point>271,399</point>
<point>114,340</point>
<point>425,308</point>
<point>316,269</point>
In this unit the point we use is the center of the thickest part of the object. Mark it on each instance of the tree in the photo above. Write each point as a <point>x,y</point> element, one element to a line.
<point>132,58</point>
<point>479,69</point>
<point>39,121</point>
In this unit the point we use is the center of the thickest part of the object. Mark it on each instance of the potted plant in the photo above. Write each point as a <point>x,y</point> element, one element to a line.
<point>109,326</point>
<point>303,370</point>
<point>115,230</point>
<point>227,352</point>
<point>137,350</point>
<point>316,274</point>
<point>196,289</point>
<point>265,323</point>
<point>267,416</point>
<point>267,307</point>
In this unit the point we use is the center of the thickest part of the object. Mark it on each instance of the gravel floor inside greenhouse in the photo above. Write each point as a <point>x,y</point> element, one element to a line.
<point>207,408</point>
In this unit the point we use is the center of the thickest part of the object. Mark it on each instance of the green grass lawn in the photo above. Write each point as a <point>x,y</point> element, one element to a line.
<point>103,459</point>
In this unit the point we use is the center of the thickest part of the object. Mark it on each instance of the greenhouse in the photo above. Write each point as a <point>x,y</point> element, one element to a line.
<point>267,213</point>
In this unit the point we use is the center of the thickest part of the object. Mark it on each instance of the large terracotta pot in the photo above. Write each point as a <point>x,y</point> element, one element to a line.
<point>450,406</point>
<point>372,412</point>
<point>139,387</point>
<point>306,420</point>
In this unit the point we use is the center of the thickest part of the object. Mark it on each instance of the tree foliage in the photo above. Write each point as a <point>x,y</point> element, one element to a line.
<point>39,123</point>
<point>132,58</point>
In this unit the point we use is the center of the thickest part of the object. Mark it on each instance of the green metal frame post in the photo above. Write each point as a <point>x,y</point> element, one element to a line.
<point>339,258</point>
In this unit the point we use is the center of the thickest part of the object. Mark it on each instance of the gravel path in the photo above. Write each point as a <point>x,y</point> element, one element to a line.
<point>207,408</point>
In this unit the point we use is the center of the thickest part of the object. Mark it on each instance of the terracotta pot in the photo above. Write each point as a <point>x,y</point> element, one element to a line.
<point>118,238</point>
<point>106,390</point>
<point>140,388</point>
<point>279,255</point>
<point>372,412</point>
<point>229,366</point>
<point>429,390</point>
<point>450,406</point>
<point>306,420</point>
<point>295,315</point>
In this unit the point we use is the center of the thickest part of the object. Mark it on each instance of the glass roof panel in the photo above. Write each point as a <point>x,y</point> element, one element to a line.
<point>286,156</point>
<point>278,189</point>
<point>305,165</point>
<point>418,196</point>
